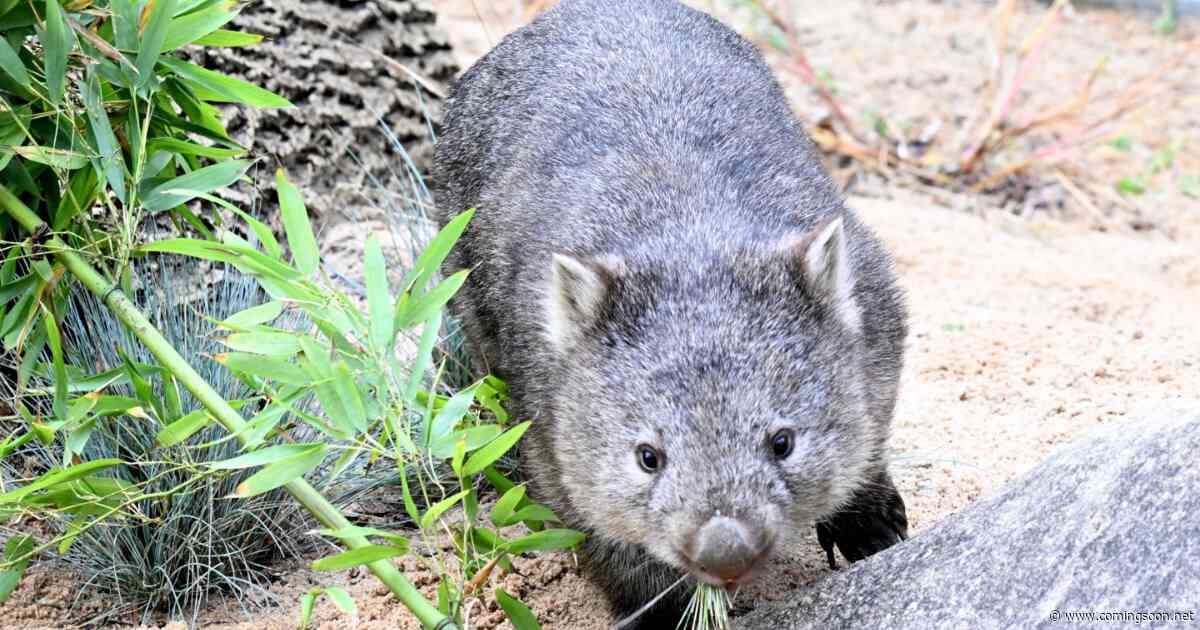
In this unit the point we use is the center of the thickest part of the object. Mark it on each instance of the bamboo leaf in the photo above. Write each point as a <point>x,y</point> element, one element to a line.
<point>276,344</point>
<point>518,614</point>
<point>11,63</point>
<point>450,415</point>
<point>229,39</point>
<point>253,316</point>
<point>435,253</point>
<point>496,449</point>
<point>54,158</point>
<point>186,29</point>
<point>110,164</point>
<point>410,312</point>
<point>378,301</point>
<point>306,608</point>
<point>186,187</point>
<point>296,225</point>
<point>183,147</point>
<point>502,512</point>
<point>54,478</point>
<point>264,456</point>
<point>347,391</point>
<point>545,540</point>
<point>342,600</point>
<point>472,438</point>
<point>221,88</point>
<point>182,429</point>
<point>153,37</point>
<point>282,472</point>
<point>436,510</point>
<point>16,547</point>
<point>267,367</point>
<point>355,531</point>
<point>355,557</point>
<point>57,42</point>
<point>60,367</point>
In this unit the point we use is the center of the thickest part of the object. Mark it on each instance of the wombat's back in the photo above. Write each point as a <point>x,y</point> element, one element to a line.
<point>639,127</point>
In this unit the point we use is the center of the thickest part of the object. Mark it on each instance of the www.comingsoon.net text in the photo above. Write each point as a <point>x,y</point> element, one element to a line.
<point>1123,616</point>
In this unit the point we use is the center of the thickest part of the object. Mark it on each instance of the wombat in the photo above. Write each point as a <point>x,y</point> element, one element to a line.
<point>707,341</point>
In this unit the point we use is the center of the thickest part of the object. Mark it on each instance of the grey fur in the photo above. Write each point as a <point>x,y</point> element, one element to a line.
<point>651,145</point>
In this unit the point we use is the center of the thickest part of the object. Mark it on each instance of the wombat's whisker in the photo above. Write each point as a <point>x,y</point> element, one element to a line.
<point>631,618</point>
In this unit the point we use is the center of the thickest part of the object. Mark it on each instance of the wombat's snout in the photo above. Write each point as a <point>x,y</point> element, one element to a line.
<point>726,550</point>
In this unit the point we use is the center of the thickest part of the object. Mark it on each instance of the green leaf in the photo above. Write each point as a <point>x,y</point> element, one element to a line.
<point>379,303</point>
<point>229,39</point>
<point>58,477</point>
<point>11,63</point>
<point>296,225</point>
<point>188,28</point>
<point>1189,185</point>
<point>502,512</point>
<point>435,253</point>
<point>268,455</point>
<point>342,600</point>
<point>183,147</point>
<point>347,390</point>
<point>545,540</point>
<point>412,311</point>
<point>450,415</point>
<point>182,189</point>
<point>153,37</point>
<point>111,162</point>
<point>1132,185</point>
<point>57,42</point>
<point>60,367</point>
<point>496,449</point>
<point>355,557</point>
<point>183,428</point>
<point>355,531</point>
<point>16,547</point>
<point>253,316</point>
<point>220,88</point>
<point>518,614</point>
<point>306,608</point>
<point>282,472</point>
<point>54,158</point>
<point>472,438</point>
<point>436,510</point>
<point>273,368</point>
<point>277,344</point>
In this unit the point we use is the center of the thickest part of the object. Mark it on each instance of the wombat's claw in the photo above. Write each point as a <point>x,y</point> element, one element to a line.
<point>872,522</point>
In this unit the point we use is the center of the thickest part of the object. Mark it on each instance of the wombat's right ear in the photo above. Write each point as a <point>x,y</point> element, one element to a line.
<point>576,295</point>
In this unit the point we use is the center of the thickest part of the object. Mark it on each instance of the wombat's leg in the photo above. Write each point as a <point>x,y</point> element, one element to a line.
<point>873,521</point>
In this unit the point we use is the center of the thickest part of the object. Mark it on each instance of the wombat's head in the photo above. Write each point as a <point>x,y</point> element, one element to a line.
<point>711,403</point>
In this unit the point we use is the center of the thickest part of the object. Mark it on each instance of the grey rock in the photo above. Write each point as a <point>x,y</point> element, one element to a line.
<point>1108,524</point>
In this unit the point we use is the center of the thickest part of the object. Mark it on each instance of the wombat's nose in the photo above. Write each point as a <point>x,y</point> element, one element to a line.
<point>727,548</point>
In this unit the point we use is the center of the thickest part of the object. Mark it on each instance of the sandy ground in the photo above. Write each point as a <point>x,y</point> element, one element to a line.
<point>1028,329</point>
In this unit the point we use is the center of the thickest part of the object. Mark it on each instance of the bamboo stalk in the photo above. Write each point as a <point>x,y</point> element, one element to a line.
<point>136,322</point>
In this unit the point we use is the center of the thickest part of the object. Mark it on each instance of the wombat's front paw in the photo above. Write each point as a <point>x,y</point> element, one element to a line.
<point>873,521</point>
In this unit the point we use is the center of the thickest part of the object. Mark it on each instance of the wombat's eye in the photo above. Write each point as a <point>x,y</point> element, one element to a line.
<point>781,443</point>
<point>649,458</point>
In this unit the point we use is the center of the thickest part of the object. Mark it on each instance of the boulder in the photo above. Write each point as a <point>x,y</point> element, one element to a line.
<point>1108,524</point>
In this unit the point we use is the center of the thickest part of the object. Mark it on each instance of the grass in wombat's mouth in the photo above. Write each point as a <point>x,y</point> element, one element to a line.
<point>708,610</point>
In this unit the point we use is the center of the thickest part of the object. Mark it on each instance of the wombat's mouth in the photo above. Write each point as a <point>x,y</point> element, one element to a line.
<point>753,568</point>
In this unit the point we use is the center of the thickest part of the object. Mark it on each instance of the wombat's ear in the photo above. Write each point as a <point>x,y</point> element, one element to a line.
<point>826,271</point>
<point>576,295</point>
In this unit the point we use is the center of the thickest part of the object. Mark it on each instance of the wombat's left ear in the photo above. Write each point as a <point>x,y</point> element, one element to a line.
<point>575,298</point>
<point>826,270</point>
